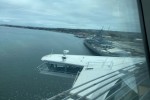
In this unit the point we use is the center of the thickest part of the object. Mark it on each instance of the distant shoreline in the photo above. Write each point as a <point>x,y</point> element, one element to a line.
<point>64,30</point>
<point>87,32</point>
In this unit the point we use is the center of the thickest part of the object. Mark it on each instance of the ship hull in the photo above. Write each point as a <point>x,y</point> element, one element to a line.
<point>94,50</point>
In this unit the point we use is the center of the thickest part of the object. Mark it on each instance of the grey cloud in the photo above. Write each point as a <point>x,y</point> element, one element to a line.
<point>118,14</point>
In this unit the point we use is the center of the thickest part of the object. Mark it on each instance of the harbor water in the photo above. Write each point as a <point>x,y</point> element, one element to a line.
<point>20,54</point>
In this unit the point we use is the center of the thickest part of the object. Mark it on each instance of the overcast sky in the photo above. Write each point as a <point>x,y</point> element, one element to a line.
<point>119,15</point>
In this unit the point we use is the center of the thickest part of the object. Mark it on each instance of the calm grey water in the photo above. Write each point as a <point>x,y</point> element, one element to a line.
<point>20,54</point>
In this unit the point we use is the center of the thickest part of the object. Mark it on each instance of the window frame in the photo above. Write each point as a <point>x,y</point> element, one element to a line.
<point>144,33</point>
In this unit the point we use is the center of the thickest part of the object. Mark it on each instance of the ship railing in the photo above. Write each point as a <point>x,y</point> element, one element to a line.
<point>127,72</point>
<point>44,68</point>
<point>78,73</point>
<point>107,64</point>
<point>41,66</point>
<point>110,64</point>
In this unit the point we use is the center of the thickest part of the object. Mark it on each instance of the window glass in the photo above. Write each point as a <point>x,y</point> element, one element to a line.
<point>92,49</point>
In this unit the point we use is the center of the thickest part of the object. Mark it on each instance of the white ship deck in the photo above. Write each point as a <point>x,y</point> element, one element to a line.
<point>94,61</point>
<point>94,67</point>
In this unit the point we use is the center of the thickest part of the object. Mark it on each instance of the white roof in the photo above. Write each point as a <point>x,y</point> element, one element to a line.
<point>84,60</point>
<point>99,65</point>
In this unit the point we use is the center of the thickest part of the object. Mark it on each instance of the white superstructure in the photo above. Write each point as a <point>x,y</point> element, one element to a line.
<point>98,74</point>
